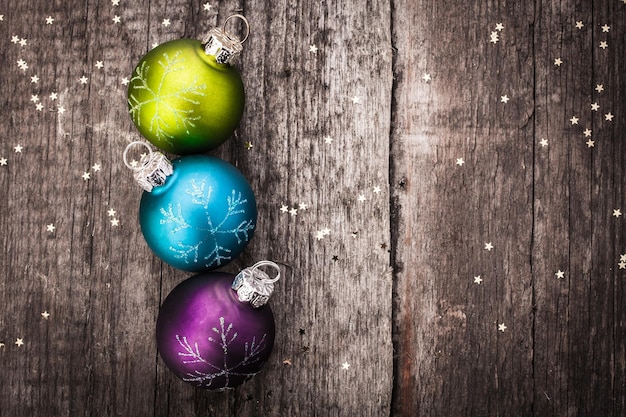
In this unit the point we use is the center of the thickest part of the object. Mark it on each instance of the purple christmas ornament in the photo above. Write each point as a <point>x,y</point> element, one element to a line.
<point>214,330</point>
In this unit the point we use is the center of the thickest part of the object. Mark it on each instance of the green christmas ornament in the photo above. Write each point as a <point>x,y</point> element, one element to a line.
<point>185,96</point>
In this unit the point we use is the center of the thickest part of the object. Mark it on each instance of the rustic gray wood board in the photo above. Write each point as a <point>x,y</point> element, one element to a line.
<point>462,162</point>
<point>452,243</point>
<point>101,284</point>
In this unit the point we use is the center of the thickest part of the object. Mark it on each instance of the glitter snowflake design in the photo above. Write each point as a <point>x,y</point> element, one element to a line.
<point>175,104</point>
<point>190,354</point>
<point>201,196</point>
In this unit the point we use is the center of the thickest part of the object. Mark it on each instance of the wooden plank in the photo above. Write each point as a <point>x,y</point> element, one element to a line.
<point>579,320</point>
<point>95,353</point>
<point>334,305</point>
<point>450,357</point>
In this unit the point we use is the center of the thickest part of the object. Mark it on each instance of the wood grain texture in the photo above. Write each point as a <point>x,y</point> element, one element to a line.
<point>579,319</point>
<point>380,315</point>
<point>96,354</point>
<point>450,357</point>
<point>338,290</point>
<point>545,207</point>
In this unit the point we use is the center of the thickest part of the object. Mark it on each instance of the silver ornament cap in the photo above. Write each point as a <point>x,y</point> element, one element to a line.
<point>254,286</point>
<point>152,170</point>
<point>224,46</point>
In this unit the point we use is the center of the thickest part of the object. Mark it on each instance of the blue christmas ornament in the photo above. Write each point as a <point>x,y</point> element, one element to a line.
<point>197,213</point>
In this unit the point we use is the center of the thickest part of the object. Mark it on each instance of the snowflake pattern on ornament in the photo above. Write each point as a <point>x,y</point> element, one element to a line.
<point>165,103</point>
<point>217,253</point>
<point>191,355</point>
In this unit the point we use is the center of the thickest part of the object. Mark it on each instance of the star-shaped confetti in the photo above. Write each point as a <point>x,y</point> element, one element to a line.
<point>606,28</point>
<point>34,79</point>
<point>99,64</point>
<point>248,145</point>
<point>166,22</point>
<point>39,107</point>
<point>345,366</point>
<point>111,213</point>
<point>543,142</point>
<point>604,44</point>
<point>50,228</point>
<point>478,280</point>
<point>22,65</point>
<point>622,257</point>
<point>319,235</point>
<point>574,120</point>
<point>53,96</point>
<point>328,140</point>
<point>558,62</point>
<point>579,24</point>
<point>356,100</point>
<point>61,109</point>
<point>117,19</point>
<point>284,209</point>
<point>608,117</point>
<point>19,341</point>
<point>96,167</point>
<point>303,206</point>
<point>83,80</point>
<point>86,176</point>
<point>590,143</point>
<point>622,265</point>
<point>45,315</point>
<point>559,274</point>
<point>115,2</point>
<point>115,222</point>
<point>426,77</point>
<point>504,99</point>
<point>376,189</point>
<point>125,81</point>
<point>49,20</point>
<point>488,246</point>
<point>617,213</point>
<point>18,148</point>
<point>595,106</point>
<point>460,161</point>
<point>587,132</point>
<point>361,198</point>
<point>293,211</point>
<point>502,327</point>
<point>499,27</point>
<point>599,88</point>
<point>313,49</point>
<point>207,7</point>
<point>3,162</point>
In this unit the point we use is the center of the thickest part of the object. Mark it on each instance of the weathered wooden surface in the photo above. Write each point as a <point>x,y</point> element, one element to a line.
<point>447,211</point>
<point>382,124</point>
<point>544,206</point>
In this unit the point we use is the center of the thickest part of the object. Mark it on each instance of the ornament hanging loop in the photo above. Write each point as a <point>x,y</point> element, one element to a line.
<point>224,46</point>
<point>245,21</point>
<point>254,286</point>
<point>152,169</point>
<point>134,166</point>
<point>263,276</point>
